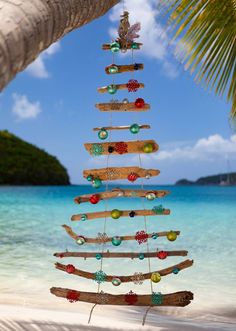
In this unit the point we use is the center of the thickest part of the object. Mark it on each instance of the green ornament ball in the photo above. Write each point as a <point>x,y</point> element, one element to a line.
<point>134,128</point>
<point>141,256</point>
<point>98,256</point>
<point>111,89</point>
<point>148,148</point>
<point>116,241</point>
<point>83,217</point>
<point>89,178</point>
<point>97,183</point>
<point>134,45</point>
<point>116,281</point>
<point>116,213</point>
<point>115,47</point>
<point>103,134</point>
<point>113,69</point>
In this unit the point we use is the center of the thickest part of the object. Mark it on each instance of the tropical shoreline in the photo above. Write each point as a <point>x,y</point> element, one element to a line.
<point>16,318</point>
<point>31,233</point>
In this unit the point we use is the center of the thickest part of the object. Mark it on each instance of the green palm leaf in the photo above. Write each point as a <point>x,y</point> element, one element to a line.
<point>207,45</point>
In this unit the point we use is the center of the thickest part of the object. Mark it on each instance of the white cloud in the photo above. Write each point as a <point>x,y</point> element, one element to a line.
<point>52,49</point>
<point>209,149</point>
<point>38,68</point>
<point>153,35</point>
<point>24,109</point>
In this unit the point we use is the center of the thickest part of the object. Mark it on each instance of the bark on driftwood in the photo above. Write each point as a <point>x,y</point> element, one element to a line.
<point>112,255</point>
<point>123,127</point>
<point>121,107</point>
<point>107,47</point>
<point>114,173</point>
<point>135,147</point>
<point>124,213</point>
<point>30,26</point>
<point>124,68</point>
<point>117,193</point>
<point>125,279</point>
<point>118,87</point>
<point>180,299</point>
<point>75,236</point>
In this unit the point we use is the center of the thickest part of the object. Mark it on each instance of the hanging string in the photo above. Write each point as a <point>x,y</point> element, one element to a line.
<point>123,3</point>
<point>144,207</point>
<point>145,223</point>
<point>91,312</point>
<point>106,206</point>
<point>142,200</point>
<point>145,315</point>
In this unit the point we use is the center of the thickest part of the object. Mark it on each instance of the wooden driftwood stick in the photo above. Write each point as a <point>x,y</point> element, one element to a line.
<point>177,299</point>
<point>117,193</point>
<point>125,127</point>
<point>75,236</point>
<point>107,47</point>
<point>121,147</point>
<point>125,279</point>
<point>118,87</point>
<point>121,107</point>
<point>124,213</point>
<point>123,68</point>
<point>112,255</point>
<point>114,173</point>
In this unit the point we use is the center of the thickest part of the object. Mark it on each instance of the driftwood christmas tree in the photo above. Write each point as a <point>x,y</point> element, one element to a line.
<point>124,43</point>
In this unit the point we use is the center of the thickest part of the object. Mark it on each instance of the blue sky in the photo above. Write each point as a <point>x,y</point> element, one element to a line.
<point>51,104</point>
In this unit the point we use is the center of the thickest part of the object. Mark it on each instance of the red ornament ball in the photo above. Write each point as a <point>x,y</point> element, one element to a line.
<point>131,298</point>
<point>132,85</point>
<point>72,296</point>
<point>141,237</point>
<point>132,177</point>
<point>70,268</point>
<point>162,255</point>
<point>139,103</point>
<point>121,147</point>
<point>94,199</point>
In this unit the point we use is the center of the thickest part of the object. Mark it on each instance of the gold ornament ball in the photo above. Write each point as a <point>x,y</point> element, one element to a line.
<point>171,236</point>
<point>155,277</point>
<point>116,213</point>
<point>148,148</point>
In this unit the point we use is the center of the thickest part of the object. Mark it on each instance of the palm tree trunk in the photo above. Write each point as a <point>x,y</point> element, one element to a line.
<point>27,27</point>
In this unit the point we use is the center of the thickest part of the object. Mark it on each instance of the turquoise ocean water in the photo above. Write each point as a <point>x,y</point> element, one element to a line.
<point>30,232</point>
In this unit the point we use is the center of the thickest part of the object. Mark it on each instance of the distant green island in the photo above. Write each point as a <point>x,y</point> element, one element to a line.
<point>225,179</point>
<point>22,163</point>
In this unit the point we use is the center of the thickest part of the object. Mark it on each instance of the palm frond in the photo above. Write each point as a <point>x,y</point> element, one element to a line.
<point>207,41</point>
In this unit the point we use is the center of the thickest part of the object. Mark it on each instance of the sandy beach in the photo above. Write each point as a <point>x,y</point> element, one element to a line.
<point>17,318</point>
<point>28,264</point>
